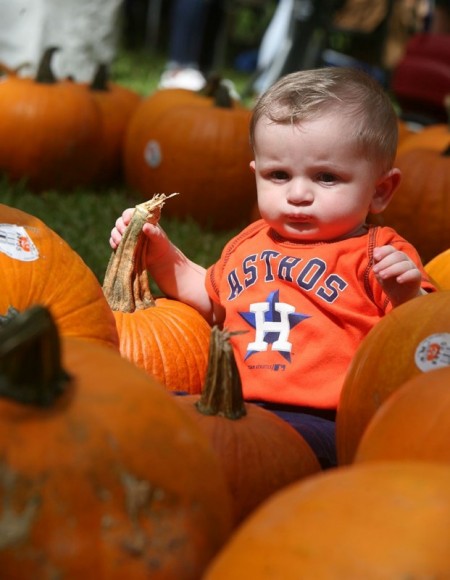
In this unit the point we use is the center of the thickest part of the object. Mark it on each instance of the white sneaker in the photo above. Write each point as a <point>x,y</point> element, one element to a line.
<point>182,78</point>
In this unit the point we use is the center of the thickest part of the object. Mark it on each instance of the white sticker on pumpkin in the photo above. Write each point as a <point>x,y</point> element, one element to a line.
<point>17,244</point>
<point>433,352</point>
<point>152,154</point>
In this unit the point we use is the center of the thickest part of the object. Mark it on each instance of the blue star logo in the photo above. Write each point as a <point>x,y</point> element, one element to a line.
<point>273,315</point>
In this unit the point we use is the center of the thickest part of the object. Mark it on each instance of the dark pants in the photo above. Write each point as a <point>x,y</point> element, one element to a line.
<point>317,427</point>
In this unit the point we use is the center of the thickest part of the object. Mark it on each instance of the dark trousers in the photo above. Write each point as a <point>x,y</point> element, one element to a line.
<point>316,426</point>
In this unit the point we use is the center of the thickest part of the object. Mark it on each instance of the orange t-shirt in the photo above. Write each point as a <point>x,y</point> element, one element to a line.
<point>305,308</point>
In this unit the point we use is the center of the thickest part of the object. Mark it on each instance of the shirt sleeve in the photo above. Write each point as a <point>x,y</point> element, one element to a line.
<point>388,236</point>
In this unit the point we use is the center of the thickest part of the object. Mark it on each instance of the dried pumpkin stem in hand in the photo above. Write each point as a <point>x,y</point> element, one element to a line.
<point>126,284</point>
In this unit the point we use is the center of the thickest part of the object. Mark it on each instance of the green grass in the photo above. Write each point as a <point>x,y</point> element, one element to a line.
<point>84,217</point>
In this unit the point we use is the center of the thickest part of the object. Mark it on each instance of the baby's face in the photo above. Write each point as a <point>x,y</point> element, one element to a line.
<point>313,182</point>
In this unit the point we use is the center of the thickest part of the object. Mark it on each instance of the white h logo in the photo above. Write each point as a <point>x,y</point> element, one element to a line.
<point>263,326</point>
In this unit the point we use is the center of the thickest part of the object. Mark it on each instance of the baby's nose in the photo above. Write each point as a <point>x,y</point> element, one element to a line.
<point>300,192</point>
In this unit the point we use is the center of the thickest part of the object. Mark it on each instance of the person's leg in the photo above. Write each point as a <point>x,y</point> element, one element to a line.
<point>316,427</point>
<point>186,34</point>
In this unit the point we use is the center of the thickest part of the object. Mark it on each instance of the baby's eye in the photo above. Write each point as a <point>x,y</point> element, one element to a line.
<point>279,175</point>
<point>327,178</point>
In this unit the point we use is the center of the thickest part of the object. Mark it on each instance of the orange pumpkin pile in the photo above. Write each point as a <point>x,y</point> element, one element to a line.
<point>420,208</point>
<point>411,339</point>
<point>61,134</point>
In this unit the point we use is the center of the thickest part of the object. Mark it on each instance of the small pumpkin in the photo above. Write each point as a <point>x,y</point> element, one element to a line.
<point>438,268</point>
<point>38,267</point>
<point>165,337</point>
<point>117,105</point>
<point>413,423</point>
<point>101,474</point>
<point>411,339</point>
<point>373,520</point>
<point>179,140</point>
<point>49,130</point>
<point>259,452</point>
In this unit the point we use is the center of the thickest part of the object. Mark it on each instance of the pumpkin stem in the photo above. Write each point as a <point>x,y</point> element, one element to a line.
<point>126,285</point>
<point>222,391</point>
<point>218,91</point>
<point>101,78</point>
<point>45,73</point>
<point>30,358</point>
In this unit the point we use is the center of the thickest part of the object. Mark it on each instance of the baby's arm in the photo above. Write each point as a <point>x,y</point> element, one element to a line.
<point>397,274</point>
<point>176,275</point>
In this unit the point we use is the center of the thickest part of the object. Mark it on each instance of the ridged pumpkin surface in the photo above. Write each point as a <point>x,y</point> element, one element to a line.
<point>58,279</point>
<point>414,423</point>
<point>169,341</point>
<point>409,340</point>
<point>369,521</point>
<point>111,481</point>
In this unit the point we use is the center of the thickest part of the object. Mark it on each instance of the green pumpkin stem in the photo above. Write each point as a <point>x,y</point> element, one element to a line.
<point>222,390</point>
<point>126,284</point>
<point>44,73</point>
<point>101,79</point>
<point>30,358</point>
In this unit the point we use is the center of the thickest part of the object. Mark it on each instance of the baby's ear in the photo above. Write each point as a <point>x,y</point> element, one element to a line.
<point>252,165</point>
<point>384,190</point>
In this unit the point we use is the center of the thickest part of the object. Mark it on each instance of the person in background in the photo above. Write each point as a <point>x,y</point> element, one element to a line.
<point>194,25</point>
<point>309,280</point>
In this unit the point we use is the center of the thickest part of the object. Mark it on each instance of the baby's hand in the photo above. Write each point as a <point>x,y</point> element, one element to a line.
<point>119,228</point>
<point>397,274</point>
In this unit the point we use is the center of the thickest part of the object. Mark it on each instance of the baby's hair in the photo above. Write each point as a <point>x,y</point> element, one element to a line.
<point>305,95</point>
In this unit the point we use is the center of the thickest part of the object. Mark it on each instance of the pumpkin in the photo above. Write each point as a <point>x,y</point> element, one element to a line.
<point>260,453</point>
<point>179,140</point>
<point>165,337</point>
<point>372,521</point>
<point>38,267</point>
<point>420,208</point>
<point>49,130</point>
<point>405,130</point>
<point>101,474</point>
<point>438,268</point>
<point>411,339</point>
<point>413,423</point>
<point>117,104</point>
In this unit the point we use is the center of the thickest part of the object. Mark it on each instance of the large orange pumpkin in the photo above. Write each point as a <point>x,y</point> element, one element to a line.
<point>179,140</point>
<point>259,452</point>
<point>413,423</point>
<point>420,208</point>
<point>411,339</point>
<point>366,521</point>
<point>101,474</point>
<point>438,268</point>
<point>166,338</point>
<point>49,130</point>
<point>117,104</point>
<point>38,267</point>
